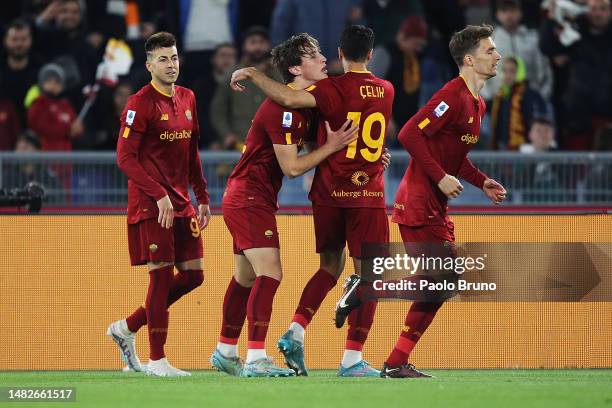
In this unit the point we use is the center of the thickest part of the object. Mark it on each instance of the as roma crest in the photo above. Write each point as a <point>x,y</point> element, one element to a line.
<point>188,114</point>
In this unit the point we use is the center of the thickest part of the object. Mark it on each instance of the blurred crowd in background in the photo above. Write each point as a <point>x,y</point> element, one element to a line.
<point>553,90</point>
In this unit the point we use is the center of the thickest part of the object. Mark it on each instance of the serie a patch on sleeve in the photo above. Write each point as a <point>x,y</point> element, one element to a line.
<point>441,109</point>
<point>287,119</point>
<point>129,118</point>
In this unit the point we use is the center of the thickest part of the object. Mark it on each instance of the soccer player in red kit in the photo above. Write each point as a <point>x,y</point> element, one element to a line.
<point>438,138</point>
<point>158,152</point>
<point>348,189</point>
<point>249,206</point>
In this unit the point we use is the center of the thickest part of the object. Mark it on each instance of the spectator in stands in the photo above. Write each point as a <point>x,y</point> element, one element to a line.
<point>28,142</point>
<point>205,24</point>
<point>514,107</point>
<point>223,60</point>
<point>411,66</point>
<point>62,34</point>
<point>232,112</point>
<point>386,17</point>
<point>19,68</point>
<point>541,136</point>
<point>106,119</point>
<point>10,126</point>
<point>513,38</point>
<point>51,116</point>
<point>586,54</point>
<point>544,180</point>
<point>323,19</point>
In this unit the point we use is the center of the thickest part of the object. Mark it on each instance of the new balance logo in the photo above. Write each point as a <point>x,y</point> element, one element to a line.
<point>164,116</point>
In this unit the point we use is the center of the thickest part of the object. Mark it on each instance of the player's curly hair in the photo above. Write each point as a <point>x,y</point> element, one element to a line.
<point>466,41</point>
<point>289,53</point>
<point>159,40</point>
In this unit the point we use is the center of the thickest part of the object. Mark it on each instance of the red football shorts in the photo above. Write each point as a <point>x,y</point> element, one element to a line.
<point>428,233</point>
<point>335,226</point>
<point>251,227</point>
<point>425,239</point>
<point>148,241</point>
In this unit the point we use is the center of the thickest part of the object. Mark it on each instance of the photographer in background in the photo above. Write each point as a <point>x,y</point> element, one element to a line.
<point>580,47</point>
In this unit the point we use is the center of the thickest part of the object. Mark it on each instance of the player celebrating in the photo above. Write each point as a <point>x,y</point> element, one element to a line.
<point>158,151</point>
<point>438,139</point>
<point>348,189</point>
<point>249,205</point>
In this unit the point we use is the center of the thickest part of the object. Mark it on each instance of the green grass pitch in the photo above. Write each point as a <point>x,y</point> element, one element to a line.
<point>450,388</point>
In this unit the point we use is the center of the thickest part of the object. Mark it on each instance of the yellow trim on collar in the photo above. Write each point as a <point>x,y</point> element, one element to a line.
<point>466,85</point>
<point>162,92</point>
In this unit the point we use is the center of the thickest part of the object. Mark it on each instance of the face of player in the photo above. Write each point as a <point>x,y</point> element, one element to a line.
<point>18,42</point>
<point>69,16</point>
<point>509,18</point>
<point>314,67</point>
<point>599,13</point>
<point>509,70</point>
<point>485,59</point>
<point>163,64</point>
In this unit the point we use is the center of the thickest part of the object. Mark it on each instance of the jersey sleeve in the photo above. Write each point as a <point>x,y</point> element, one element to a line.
<point>471,173</point>
<point>438,112</point>
<point>327,95</point>
<point>441,110</point>
<point>285,127</point>
<point>134,120</point>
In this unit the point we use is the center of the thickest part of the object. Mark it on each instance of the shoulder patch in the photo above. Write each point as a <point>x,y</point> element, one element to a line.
<point>287,119</point>
<point>129,118</point>
<point>441,109</point>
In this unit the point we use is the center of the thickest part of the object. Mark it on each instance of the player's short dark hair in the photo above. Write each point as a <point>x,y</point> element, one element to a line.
<point>290,52</point>
<point>159,40</point>
<point>356,41</point>
<point>467,40</point>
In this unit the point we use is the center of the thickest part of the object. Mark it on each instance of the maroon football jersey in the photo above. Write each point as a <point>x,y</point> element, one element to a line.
<point>258,177</point>
<point>158,152</point>
<point>354,176</point>
<point>438,138</point>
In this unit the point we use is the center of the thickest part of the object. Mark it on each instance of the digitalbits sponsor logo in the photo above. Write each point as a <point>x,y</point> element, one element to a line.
<point>469,138</point>
<point>176,135</point>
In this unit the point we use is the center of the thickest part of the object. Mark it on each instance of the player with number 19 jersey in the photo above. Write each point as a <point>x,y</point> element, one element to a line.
<point>348,192</point>
<point>353,177</point>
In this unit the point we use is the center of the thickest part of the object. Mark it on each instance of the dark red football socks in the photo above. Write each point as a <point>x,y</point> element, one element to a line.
<point>182,283</point>
<point>259,310</point>
<point>160,281</point>
<point>418,319</point>
<point>312,296</point>
<point>234,312</point>
<point>360,322</point>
